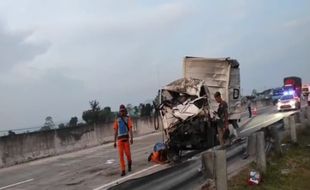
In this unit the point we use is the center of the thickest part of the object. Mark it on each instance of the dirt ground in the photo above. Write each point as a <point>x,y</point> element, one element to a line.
<point>291,171</point>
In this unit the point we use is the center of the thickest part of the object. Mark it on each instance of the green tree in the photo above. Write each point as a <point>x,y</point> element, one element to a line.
<point>10,133</point>
<point>106,115</point>
<point>94,104</point>
<point>136,111</point>
<point>92,116</point>
<point>49,124</point>
<point>142,110</point>
<point>146,110</point>
<point>73,122</point>
<point>129,109</point>
<point>61,126</point>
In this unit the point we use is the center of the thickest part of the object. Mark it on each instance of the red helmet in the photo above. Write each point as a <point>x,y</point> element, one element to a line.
<point>122,108</point>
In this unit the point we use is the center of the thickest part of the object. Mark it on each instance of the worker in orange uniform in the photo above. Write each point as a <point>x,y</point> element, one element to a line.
<point>122,134</point>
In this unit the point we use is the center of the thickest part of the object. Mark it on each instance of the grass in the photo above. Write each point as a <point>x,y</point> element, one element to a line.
<point>291,171</point>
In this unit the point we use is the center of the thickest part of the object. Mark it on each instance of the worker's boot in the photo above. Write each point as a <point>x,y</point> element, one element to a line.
<point>123,173</point>
<point>129,166</point>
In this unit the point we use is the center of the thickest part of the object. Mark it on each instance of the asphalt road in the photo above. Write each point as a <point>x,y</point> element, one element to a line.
<point>98,168</point>
<point>86,169</point>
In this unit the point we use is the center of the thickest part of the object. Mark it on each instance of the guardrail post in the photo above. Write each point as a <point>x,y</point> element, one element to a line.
<point>221,170</point>
<point>215,167</point>
<point>293,129</point>
<point>286,121</point>
<point>297,117</point>
<point>303,117</point>
<point>277,143</point>
<point>251,146</point>
<point>208,163</point>
<point>306,113</point>
<point>261,154</point>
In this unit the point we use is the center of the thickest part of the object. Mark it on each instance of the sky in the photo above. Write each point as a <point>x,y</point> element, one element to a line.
<point>57,55</point>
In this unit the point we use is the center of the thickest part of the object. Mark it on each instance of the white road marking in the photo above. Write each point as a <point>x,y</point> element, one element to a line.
<point>111,161</point>
<point>124,178</point>
<point>12,185</point>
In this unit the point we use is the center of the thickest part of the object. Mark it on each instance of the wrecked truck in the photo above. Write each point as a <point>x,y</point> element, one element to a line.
<point>186,106</point>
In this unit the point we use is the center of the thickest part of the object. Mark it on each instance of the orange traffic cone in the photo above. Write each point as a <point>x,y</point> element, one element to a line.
<point>254,113</point>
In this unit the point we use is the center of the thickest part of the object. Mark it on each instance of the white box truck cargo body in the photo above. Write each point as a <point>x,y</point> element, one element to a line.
<point>223,75</point>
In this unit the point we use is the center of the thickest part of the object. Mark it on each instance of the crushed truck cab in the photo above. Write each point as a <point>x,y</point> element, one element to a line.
<point>187,105</point>
<point>185,113</point>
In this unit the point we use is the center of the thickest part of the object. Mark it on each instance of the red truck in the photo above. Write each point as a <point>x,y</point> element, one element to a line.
<point>292,85</point>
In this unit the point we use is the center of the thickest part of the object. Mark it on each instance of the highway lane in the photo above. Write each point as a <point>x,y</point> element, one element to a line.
<point>264,119</point>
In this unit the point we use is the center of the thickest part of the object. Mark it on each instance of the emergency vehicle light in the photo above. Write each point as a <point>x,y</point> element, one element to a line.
<point>290,92</point>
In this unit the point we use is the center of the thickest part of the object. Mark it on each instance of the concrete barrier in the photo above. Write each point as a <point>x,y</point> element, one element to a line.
<point>251,145</point>
<point>305,113</point>
<point>297,117</point>
<point>293,128</point>
<point>277,139</point>
<point>215,167</point>
<point>25,147</point>
<point>308,113</point>
<point>260,152</point>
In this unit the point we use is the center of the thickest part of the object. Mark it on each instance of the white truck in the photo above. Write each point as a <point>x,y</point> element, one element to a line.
<point>187,105</point>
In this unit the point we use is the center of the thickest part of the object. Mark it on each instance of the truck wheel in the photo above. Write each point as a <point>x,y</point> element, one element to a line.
<point>173,156</point>
<point>173,153</point>
<point>211,137</point>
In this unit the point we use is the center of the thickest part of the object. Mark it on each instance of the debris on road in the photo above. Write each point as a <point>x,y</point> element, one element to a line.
<point>111,161</point>
<point>254,178</point>
<point>285,171</point>
<point>208,185</point>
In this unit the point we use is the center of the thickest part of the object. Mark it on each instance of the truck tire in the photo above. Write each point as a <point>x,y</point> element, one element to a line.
<point>173,155</point>
<point>211,137</point>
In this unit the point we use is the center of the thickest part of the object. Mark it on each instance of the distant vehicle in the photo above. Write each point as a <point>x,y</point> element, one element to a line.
<point>276,95</point>
<point>292,85</point>
<point>288,102</point>
<point>267,94</point>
